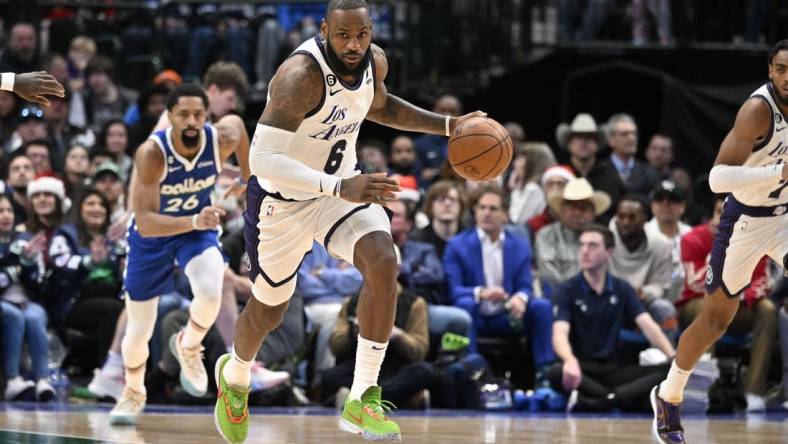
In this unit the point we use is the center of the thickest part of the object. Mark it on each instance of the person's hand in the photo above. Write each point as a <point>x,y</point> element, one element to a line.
<point>34,246</point>
<point>209,218</point>
<point>372,188</point>
<point>428,173</point>
<point>571,376</point>
<point>33,86</point>
<point>117,230</point>
<point>395,333</point>
<point>516,306</point>
<point>236,190</point>
<point>494,294</point>
<point>98,250</point>
<point>454,122</point>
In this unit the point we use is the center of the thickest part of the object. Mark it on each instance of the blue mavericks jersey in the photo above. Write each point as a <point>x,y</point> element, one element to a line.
<point>186,185</point>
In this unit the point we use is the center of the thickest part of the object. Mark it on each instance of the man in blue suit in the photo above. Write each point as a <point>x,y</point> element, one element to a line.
<point>489,274</point>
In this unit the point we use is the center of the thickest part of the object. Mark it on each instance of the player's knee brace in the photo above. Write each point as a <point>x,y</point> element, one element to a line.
<point>273,296</point>
<point>139,329</point>
<point>206,275</point>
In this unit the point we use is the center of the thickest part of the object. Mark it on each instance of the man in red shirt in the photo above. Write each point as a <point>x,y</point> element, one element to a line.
<point>756,313</point>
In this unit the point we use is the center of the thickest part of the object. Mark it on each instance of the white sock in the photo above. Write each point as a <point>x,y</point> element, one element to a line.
<point>672,388</point>
<point>135,379</point>
<point>113,364</point>
<point>193,334</point>
<point>237,372</point>
<point>369,357</point>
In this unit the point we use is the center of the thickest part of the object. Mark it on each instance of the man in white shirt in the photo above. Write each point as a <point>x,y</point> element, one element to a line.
<point>667,207</point>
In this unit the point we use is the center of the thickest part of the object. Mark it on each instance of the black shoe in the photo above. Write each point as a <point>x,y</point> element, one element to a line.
<point>666,426</point>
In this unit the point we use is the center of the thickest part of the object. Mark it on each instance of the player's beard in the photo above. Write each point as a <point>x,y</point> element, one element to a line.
<point>339,66</point>
<point>781,100</point>
<point>190,141</point>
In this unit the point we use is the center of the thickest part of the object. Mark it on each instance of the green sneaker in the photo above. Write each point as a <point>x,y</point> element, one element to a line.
<point>367,417</point>
<point>231,415</point>
<point>451,342</point>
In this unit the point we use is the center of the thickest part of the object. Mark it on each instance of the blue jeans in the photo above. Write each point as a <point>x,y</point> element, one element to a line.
<point>30,322</point>
<point>443,318</point>
<point>537,324</point>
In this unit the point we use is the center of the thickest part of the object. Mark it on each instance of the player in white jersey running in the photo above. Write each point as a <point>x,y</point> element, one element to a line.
<point>307,187</point>
<point>751,166</point>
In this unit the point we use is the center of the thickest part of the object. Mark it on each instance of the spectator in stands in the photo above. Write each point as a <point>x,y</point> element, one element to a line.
<point>108,183</point>
<point>75,171</point>
<point>659,155</point>
<point>114,136</point>
<point>324,281</point>
<point>225,84</point>
<point>489,274</point>
<point>553,181</point>
<point>433,149</point>
<point>80,51</point>
<point>8,114</point>
<point>31,126</point>
<point>104,98</point>
<point>582,139</point>
<point>556,245</point>
<point>404,374</point>
<point>20,174</point>
<point>402,157</point>
<point>40,153</point>
<point>644,261</point>
<point>20,54</point>
<point>526,197</point>
<point>444,206</point>
<point>62,133</point>
<point>151,104</point>
<point>421,271</point>
<point>622,137</point>
<point>85,269</point>
<point>667,205</point>
<point>57,65</point>
<point>22,317</point>
<point>98,156</point>
<point>372,158</point>
<point>591,310</point>
<point>516,132</point>
<point>756,313</point>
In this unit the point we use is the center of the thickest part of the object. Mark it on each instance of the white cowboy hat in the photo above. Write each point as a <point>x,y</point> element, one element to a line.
<point>579,189</point>
<point>582,124</point>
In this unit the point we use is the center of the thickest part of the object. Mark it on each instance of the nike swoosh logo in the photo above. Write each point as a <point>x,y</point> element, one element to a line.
<point>780,129</point>
<point>355,418</point>
<point>331,93</point>
<point>376,348</point>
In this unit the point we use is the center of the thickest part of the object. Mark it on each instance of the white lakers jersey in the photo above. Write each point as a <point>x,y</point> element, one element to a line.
<point>772,149</point>
<point>326,139</point>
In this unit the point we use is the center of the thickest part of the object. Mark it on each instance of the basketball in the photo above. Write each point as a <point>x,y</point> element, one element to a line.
<point>480,149</point>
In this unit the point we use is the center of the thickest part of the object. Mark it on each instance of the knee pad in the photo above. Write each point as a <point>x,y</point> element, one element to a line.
<point>206,274</point>
<point>273,296</point>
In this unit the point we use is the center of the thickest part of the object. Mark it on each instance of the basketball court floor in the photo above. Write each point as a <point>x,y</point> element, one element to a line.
<point>88,423</point>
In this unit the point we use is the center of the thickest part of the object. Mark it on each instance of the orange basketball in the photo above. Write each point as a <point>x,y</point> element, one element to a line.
<point>480,149</point>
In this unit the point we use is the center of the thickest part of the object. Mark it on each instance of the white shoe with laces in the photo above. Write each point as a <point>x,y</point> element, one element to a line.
<point>106,385</point>
<point>128,408</point>
<point>194,377</point>
<point>264,379</point>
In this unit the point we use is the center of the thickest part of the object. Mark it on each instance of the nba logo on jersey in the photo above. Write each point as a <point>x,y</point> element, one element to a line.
<point>269,211</point>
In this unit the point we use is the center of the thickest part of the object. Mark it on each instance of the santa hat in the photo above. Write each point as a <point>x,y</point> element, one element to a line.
<point>557,171</point>
<point>51,185</point>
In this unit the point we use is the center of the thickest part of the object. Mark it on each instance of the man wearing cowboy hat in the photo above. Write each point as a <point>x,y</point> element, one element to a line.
<point>582,140</point>
<point>556,244</point>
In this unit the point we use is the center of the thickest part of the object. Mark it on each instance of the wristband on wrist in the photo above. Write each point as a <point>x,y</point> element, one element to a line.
<point>7,81</point>
<point>447,126</point>
<point>194,221</point>
<point>240,180</point>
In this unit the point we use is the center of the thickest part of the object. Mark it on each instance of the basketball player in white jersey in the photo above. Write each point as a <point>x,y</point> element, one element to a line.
<point>751,166</point>
<point>307,186</point>
<point>32,86</point>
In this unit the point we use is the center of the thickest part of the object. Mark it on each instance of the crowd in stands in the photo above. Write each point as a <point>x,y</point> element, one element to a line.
<point>586,259</point>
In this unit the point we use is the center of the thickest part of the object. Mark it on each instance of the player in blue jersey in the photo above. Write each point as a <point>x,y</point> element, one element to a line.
<point>175,224</point>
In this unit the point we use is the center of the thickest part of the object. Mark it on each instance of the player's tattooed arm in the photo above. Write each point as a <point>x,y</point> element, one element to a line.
<point>296,89</point>
<point>390,110</point>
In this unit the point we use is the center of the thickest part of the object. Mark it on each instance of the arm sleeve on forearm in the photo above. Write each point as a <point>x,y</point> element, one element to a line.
<point>727,178</point>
